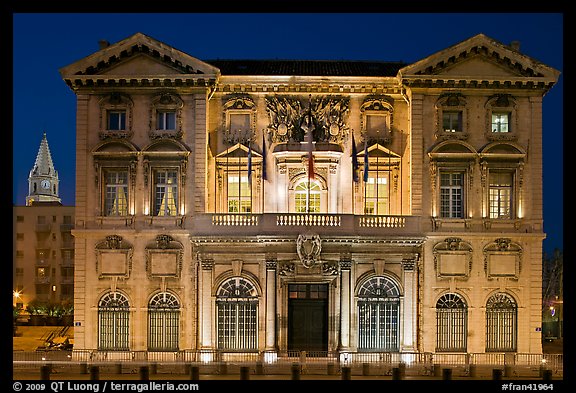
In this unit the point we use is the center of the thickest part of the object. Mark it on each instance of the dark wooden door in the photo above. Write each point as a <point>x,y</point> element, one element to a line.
<point>308,324</point>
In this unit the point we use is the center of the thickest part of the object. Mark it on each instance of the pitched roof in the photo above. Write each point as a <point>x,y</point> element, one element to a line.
<point>307,67</point>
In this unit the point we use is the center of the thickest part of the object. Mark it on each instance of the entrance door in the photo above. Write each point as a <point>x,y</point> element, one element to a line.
<point>308,317</point>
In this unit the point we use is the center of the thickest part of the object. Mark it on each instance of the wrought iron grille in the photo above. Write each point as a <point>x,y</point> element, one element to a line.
<point>163,323</point>
<point>378,315</point>
<point>501,323</point>
<point>451,323</point>
<point>113,322</point>
<point>237,314</point>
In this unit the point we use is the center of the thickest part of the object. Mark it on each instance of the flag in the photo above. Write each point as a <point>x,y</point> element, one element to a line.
<point>366,160</point>
<point>249,162</point>
<point>264,176</point>
<point>354,161</point>
<point>310,155</point>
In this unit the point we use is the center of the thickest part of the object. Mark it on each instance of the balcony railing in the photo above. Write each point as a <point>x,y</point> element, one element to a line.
<point>219,224</point>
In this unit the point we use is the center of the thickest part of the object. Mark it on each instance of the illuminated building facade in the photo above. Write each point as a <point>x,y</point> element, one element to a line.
<point>43,252</point>
<point>341,207</point>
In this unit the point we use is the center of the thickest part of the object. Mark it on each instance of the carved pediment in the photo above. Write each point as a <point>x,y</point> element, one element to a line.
<point>480,59</point>
<point>138,60</point>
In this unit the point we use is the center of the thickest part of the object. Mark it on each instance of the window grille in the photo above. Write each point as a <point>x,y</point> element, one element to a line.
<point>501,323</point>
<point>113,322</point>
<point>163,323</point>
<point>451,324</point>
<point>237,315</point>
<point>378,315</point>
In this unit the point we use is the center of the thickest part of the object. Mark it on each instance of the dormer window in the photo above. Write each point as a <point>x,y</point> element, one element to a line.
<point>116,116</point>
<point>451,117</point>
<point>239,119</point>
<point>166,120</point>
<point>377,119</point>
<point>166,116</point>
<point>501,118</point>
<point>500,122</point>
<point>116,120</point>
<point>452,121</point>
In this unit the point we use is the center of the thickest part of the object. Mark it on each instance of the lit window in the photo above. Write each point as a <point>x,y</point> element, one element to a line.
<point>376,194</point>
<point>500,195</point>
<point>165,192</point>
<point>500,122</point>
<point>239,196</point>
<point>116,193</point>
<point>307,197</point>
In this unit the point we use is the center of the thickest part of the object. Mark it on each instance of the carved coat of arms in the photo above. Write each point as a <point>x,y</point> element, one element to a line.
<point>308,247</point>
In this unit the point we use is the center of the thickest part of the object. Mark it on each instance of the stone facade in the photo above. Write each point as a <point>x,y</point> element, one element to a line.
<point>443,232</point>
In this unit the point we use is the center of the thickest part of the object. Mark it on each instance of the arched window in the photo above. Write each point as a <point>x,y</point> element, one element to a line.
<point>378,315</point>
<point>113,322</point>
<point>237,313</point>
<point>307,196</point>
<point>501,323</point>
<point>451,323</point>
<point>163,322</point>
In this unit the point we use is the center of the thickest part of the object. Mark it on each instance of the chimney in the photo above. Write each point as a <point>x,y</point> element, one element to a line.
<point>103,44</point>
<point>515,45</point>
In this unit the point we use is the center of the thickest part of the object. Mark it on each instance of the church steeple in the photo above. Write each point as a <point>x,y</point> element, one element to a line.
<point>43,180</point>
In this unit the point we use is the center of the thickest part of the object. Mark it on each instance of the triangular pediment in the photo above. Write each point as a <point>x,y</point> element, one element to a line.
<point>238,151</point>
<point>139,55</point>
<point>480,58</point>
<point>379,151</point>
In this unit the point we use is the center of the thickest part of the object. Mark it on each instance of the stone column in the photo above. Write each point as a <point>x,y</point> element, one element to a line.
<point>270,348</point>
<point>205,297</point>
<point>345,299</point>
<point>409,267</point>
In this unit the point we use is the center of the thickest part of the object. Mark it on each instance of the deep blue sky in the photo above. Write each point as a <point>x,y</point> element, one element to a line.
<point>44,43</point>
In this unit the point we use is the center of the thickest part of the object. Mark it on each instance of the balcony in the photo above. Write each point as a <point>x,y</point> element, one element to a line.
<point>291,224</point>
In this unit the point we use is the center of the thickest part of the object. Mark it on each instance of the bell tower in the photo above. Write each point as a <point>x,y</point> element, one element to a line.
<point>43,180</point>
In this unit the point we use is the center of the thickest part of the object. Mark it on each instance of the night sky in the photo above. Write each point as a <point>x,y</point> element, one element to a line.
<point>44,43</point>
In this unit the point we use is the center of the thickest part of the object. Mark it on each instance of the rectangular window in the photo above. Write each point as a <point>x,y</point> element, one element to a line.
<point>500,122</point>
<point>452,121</point>
<point>239,195</point>
<point>116,120</point>
<point>239,122</point>
<point>165,192</point>
<point>376,194</point>
<point>452,195</point>
<point>166,120</point>
<point>116,193</point>
<point>500,195</point>
<point>376,124</point>
<point>41,220</point>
